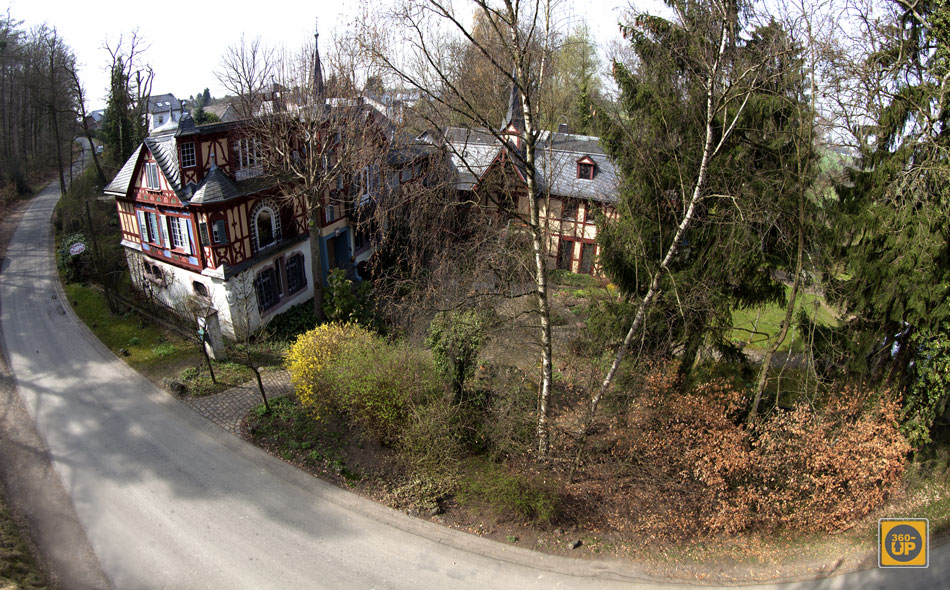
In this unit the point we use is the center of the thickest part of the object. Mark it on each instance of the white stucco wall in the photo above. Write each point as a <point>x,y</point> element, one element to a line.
<point>235,299</point>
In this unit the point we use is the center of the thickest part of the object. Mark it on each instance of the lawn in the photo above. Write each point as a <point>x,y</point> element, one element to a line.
<point>142,345</point>
<point>755,326</point>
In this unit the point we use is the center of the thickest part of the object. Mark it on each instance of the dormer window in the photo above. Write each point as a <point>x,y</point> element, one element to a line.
<point>248,158</point>
<point>151,176</point>
<point>585,168</point>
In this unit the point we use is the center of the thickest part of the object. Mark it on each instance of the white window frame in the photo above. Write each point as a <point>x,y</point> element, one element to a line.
<point>154,233</point>
<point>175,233</point>
<point>152,182</point>
<point>274,224</point>
<point>248,158</point>
<point>188,156</point>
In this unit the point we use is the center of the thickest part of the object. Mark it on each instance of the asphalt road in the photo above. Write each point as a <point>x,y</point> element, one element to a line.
<point>168,500</point>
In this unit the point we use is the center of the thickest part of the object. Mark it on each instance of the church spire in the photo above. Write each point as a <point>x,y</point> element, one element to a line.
<point>515,110</point>
<point>319,91</point>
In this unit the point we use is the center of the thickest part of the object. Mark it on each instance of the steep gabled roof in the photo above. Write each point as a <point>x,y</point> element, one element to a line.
<point>473,151</point>
<point>162,102</point>
<point>119,186</point>
<point>165,152</point>
<point>558,155</point>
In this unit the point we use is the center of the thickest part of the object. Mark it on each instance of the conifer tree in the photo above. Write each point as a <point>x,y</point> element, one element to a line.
<point>895,208</point>
<point>727,256</point>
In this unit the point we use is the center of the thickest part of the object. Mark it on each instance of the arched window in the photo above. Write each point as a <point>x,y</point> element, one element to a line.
<point>200,289</point>
<point>265,224</point>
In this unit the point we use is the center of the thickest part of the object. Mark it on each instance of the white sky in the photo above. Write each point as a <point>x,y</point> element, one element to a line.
<point>186,40</point>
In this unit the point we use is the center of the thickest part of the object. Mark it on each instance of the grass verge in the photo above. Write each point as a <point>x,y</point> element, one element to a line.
<point>757,325</point>
<point>142,345</point>
<point>19,569</point>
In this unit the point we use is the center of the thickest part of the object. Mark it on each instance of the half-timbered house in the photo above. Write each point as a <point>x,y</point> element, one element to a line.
<point>574,176</point>
<point>198,221</point>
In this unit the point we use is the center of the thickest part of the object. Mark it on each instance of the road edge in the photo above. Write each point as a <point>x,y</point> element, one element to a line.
<point>32,487</point>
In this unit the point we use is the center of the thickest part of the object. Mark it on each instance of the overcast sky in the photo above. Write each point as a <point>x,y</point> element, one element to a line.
<point>187,39</point>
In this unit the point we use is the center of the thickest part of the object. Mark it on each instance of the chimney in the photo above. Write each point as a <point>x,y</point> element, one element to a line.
<point>562,128</point>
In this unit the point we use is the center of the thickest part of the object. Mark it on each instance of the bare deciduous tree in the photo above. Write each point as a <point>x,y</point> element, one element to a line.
<point>246,70</point>
<point>513,42</point>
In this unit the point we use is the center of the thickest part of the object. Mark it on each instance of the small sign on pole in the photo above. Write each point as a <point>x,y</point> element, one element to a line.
<point>77,249</point>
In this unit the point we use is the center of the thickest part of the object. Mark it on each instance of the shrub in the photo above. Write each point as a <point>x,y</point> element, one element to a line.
<point>507,422</point>
<point>824,469</point>
<point>287,325</point>
<point>76,268</point>
<point>529,497</point>
<point>810,468</point>
<point>344,302</point>
<point>928,395</point>
<point>455,339</point>
<point>386,390</point>
<point>344,368</point>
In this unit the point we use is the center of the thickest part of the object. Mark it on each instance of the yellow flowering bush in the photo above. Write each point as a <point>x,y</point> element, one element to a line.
<point>346,369</point>
<point>308,361</point>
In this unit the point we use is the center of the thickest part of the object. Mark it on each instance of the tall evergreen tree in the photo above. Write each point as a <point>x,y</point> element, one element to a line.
<point>894,210</point>
<point>120,131</point>
<point>727,256</point>
<point>125,122</point>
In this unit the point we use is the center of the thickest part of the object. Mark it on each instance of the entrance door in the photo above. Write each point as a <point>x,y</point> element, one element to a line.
<point>565,254</point>
<point>331,253</point>
<point>587,259</point>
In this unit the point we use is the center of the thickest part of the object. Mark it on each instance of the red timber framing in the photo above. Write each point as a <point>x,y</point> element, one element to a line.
<point>204,146</point>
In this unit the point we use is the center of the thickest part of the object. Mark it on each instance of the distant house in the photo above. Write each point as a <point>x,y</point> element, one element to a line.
<point>225,111</point>
<point>573,173</point>
<point>164,112</point>
<point>94,120</point>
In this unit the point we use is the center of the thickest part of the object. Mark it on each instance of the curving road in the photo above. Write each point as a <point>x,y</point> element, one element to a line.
<point>168,500</point>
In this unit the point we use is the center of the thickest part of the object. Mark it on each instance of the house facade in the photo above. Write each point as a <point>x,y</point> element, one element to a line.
<point>198,222</point>
<point>575,179</point>
<point>164,112</point>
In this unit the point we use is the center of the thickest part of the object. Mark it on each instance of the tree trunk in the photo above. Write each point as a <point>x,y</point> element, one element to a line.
<point>97,259</point>
<point>690,354</point>
<point>540,280</point>
<point>789,312</point>
<point>647,302</point>
<point>59,148</point>
<point>316,262</point>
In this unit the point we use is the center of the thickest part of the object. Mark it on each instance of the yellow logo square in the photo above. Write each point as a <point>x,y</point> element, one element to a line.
<point>903,542</point>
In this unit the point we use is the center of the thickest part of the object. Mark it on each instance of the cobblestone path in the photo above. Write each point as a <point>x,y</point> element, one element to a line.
<point>226,409</point>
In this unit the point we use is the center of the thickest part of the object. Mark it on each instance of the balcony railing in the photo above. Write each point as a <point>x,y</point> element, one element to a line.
<point>245,173</point>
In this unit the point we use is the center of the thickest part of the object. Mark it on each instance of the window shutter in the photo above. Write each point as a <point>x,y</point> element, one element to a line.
<point>143,227</point>
<point>187,238</point>
<point>163,229</point>
<point>203,233</point>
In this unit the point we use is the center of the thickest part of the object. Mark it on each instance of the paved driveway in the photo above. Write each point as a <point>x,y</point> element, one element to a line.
<point>169,500</point>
